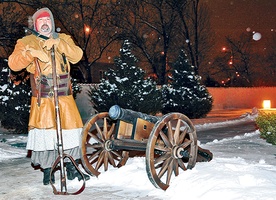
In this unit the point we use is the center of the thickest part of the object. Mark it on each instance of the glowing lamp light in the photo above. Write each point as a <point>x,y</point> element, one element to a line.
<point>266,104</point>
<point>87,29</point>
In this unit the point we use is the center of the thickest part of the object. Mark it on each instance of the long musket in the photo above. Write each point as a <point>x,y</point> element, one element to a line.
<point>61,154</point>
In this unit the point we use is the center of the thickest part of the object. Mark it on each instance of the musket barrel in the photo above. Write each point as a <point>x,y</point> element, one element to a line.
<point>127,115</point>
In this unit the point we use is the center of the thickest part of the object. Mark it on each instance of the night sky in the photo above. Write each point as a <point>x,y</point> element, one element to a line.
<point>233,17</point>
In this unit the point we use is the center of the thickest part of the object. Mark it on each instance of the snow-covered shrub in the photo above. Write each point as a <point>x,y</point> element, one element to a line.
<point>126,86</point>
<point>185,93</point>
<point>267,126</point>
<point>15,94</point>
<point>76,88</point>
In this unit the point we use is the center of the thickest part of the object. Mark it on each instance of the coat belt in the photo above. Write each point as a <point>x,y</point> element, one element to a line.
<point>51,94</point>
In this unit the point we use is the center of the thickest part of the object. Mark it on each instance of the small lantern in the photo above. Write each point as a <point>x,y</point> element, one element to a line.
<point>266,104</point>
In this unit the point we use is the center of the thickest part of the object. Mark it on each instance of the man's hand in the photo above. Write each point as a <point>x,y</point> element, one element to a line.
<point>36,53</point>
<point>50,42</point>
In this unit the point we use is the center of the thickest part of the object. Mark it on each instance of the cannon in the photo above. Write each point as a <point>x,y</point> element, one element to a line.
<point>169,143</point>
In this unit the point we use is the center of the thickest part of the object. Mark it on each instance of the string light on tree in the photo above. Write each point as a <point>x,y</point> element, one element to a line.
<point>224,49</point>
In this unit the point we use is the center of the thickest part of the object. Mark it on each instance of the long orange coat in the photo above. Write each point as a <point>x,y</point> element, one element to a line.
<point>43,116</point>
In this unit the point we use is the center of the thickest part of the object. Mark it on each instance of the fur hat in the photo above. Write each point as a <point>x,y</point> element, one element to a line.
<point>44,12</point>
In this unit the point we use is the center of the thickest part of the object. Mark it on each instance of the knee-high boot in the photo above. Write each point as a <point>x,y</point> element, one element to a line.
<point>46,176</point>
<point>72,172</point>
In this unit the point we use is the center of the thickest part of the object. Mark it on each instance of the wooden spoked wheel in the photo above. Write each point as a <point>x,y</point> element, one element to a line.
<point>172,146</point>
<point>96,145</point>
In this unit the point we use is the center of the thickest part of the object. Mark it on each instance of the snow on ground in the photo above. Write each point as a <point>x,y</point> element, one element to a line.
<point>244,168</point>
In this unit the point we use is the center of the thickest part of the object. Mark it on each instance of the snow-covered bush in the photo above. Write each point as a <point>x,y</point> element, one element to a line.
<point>15,94</point>
<point>184,93</point>
<point>76,88</point>
<point>267,126</point>
<point>126,86</point>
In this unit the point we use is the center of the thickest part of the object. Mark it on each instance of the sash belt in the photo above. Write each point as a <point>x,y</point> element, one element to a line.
<point>51,94</point>
<point>46,89</point>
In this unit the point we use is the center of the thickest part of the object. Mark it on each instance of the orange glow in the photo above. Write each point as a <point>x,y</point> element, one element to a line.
<point>87,29</point>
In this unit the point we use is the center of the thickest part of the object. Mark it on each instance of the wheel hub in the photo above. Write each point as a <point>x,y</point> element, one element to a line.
<point>179,152</point>
<point>108,145</point>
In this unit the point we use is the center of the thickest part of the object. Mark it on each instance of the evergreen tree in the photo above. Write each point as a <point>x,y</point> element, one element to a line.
<point>15,94</point>
<point>126,87</point>
<point>184,93</point>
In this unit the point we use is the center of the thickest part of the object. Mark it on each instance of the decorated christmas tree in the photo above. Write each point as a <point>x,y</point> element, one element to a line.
<point>126,86</point>
<point>185,93</point>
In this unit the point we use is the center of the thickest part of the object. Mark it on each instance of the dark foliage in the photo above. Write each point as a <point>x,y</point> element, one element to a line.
<point>15,94</point>
<point>185,94</point>
<point>126,87</point>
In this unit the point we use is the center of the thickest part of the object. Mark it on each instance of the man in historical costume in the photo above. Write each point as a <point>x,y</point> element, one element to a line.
<point>33,52</point>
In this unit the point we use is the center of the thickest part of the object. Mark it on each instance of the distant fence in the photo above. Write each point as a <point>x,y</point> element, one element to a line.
<point>224,98</point>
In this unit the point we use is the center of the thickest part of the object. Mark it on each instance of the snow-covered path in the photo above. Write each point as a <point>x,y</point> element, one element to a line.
<point>244,167</point>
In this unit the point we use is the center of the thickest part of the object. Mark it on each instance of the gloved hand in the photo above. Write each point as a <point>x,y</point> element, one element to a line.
<point>50,42</point>
<point>36,53</point>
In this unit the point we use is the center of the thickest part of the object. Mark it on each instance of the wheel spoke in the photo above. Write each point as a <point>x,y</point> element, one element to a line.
<point>95,137</point>
<point>100,160</point>
<point>93,156</point>
<point>94,146</point>
<point>175,169</point>
<point>106,154</point>
<point>162,158</point>
<point>105,129</point>
<point>99,131</point>
<point>182,136</point>
<point>186,143</point>
<point>170,170</point>
<point>177,131</point>
<point>164,167</point>
<point>165,139</point>
<point>111,131</point>
<point>181,164</point>
<point>117,155</point>
<point>111,159</point>
<point>162,148</point>
<point>170,132</point>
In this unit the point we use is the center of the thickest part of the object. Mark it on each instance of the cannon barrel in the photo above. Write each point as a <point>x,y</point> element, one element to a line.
<point>127,115</point>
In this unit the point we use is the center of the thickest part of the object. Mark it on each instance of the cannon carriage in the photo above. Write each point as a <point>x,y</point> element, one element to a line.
<point>169,143</point>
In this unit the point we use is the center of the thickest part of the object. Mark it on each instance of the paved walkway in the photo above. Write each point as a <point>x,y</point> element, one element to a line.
<point>222,115</point>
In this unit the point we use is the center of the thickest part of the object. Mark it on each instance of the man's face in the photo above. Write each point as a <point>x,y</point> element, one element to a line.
<point>44,25</point>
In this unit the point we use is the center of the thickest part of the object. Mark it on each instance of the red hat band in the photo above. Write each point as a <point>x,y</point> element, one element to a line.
<point>43,14</point>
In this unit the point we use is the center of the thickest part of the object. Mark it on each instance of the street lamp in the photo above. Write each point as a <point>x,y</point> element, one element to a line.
<point>87,31</point>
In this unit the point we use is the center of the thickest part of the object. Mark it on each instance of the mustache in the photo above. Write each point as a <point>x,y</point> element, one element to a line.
<point>45,27</point>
